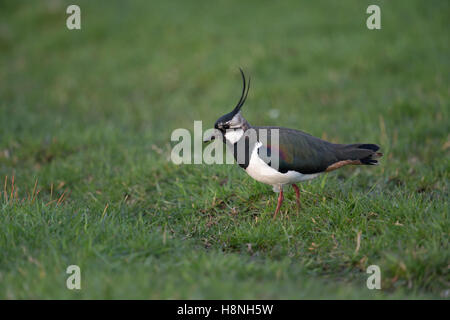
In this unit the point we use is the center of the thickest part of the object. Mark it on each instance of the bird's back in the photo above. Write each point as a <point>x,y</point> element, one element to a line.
<point>304,153</point>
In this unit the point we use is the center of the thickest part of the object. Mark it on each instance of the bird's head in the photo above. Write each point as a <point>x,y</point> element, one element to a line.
<point>233,121</point>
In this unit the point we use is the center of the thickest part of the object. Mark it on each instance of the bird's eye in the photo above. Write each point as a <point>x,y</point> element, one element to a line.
<point>226,126</point>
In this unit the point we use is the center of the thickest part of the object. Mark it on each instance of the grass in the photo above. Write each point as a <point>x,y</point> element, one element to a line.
<point>85,124</point>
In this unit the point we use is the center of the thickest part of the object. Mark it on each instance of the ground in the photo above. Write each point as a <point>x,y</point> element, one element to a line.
<point>85,123</point>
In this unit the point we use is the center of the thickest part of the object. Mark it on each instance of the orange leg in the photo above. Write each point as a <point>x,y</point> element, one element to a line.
<point>280,201</point>
<point>297,194</point>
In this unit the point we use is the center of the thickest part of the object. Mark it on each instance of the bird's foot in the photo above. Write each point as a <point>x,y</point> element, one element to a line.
<point>297,194</point>
<point>280,201</point>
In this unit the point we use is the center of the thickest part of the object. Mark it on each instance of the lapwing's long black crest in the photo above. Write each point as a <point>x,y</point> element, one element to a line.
<point>245,89</point>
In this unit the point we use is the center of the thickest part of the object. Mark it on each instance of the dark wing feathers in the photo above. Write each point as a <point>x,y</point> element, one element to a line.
<point>307,154</point>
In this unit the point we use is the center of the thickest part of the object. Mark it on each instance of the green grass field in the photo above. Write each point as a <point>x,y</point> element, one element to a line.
<point>88,115</point>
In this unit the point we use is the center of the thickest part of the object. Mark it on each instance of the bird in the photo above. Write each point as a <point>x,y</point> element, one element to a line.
<point>300,156</point>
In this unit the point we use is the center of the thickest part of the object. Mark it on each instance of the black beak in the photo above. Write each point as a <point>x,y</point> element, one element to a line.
<point>212,137</point>
<point>209,139</point>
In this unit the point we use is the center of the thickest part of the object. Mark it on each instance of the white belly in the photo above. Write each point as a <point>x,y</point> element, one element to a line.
<point>260,171</point>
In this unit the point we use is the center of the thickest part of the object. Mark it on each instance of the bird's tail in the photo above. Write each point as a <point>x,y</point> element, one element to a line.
<point>365,153</point>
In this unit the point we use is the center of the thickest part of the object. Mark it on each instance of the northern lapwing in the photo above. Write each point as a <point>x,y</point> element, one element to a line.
<point>301,157</point>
